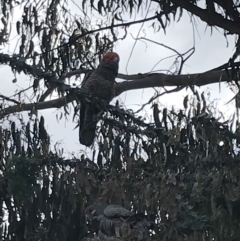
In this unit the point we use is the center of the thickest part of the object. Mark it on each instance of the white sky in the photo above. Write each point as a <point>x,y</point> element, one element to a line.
<point>211,51</point>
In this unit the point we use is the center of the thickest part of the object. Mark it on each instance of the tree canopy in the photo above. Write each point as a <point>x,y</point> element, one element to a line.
<point>177,175</point>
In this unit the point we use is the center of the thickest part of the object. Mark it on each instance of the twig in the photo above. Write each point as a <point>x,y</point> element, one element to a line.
<point>158,95</point>
<point>9,99</point>
<point>21,91</point>
<point>174,50</point>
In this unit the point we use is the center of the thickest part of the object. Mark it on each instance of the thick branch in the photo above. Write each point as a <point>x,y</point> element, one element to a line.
<point>211,19</point>
<point>141,81</point>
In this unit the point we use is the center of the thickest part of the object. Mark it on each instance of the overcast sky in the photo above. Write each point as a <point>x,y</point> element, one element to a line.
<point>211,51</point>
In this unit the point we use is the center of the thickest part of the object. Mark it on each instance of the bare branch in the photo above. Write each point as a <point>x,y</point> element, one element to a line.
<point>157,96</point>
<point>57,103</point>
<point>149,80</point>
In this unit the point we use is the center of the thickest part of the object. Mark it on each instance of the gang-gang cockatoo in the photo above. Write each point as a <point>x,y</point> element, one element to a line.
<point>100,84</point>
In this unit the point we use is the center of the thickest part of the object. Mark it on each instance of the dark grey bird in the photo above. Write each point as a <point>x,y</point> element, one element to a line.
<point>100,84</point>
<point>109,211</point>
<point>114,221</point>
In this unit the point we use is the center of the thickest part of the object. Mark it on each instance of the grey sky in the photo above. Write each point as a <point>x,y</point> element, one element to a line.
<point>211,51</point>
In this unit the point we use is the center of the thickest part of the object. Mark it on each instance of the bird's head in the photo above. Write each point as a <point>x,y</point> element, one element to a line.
<point>111,57</point>
<point>108,67</point>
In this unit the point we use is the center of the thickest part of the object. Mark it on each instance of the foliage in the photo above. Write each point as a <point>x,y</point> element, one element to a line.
<point>182,169</point>
<point>184,173</point>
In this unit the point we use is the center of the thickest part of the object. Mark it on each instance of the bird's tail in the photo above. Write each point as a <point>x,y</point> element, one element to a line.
<point>88,125</point>
<point>87,134</point>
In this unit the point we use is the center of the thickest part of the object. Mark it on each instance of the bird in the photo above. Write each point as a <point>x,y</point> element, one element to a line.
<point>100,83</point>
<point>112,220</point>
<point>109,211</point>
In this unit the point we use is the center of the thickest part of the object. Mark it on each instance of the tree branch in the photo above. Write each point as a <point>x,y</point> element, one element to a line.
<point>211,19</point>
<point>138,81</point>
<point>148,80</point>
<point>57,103</point>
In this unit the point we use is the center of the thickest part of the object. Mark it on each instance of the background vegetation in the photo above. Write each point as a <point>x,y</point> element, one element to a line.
<point>181,170</point>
